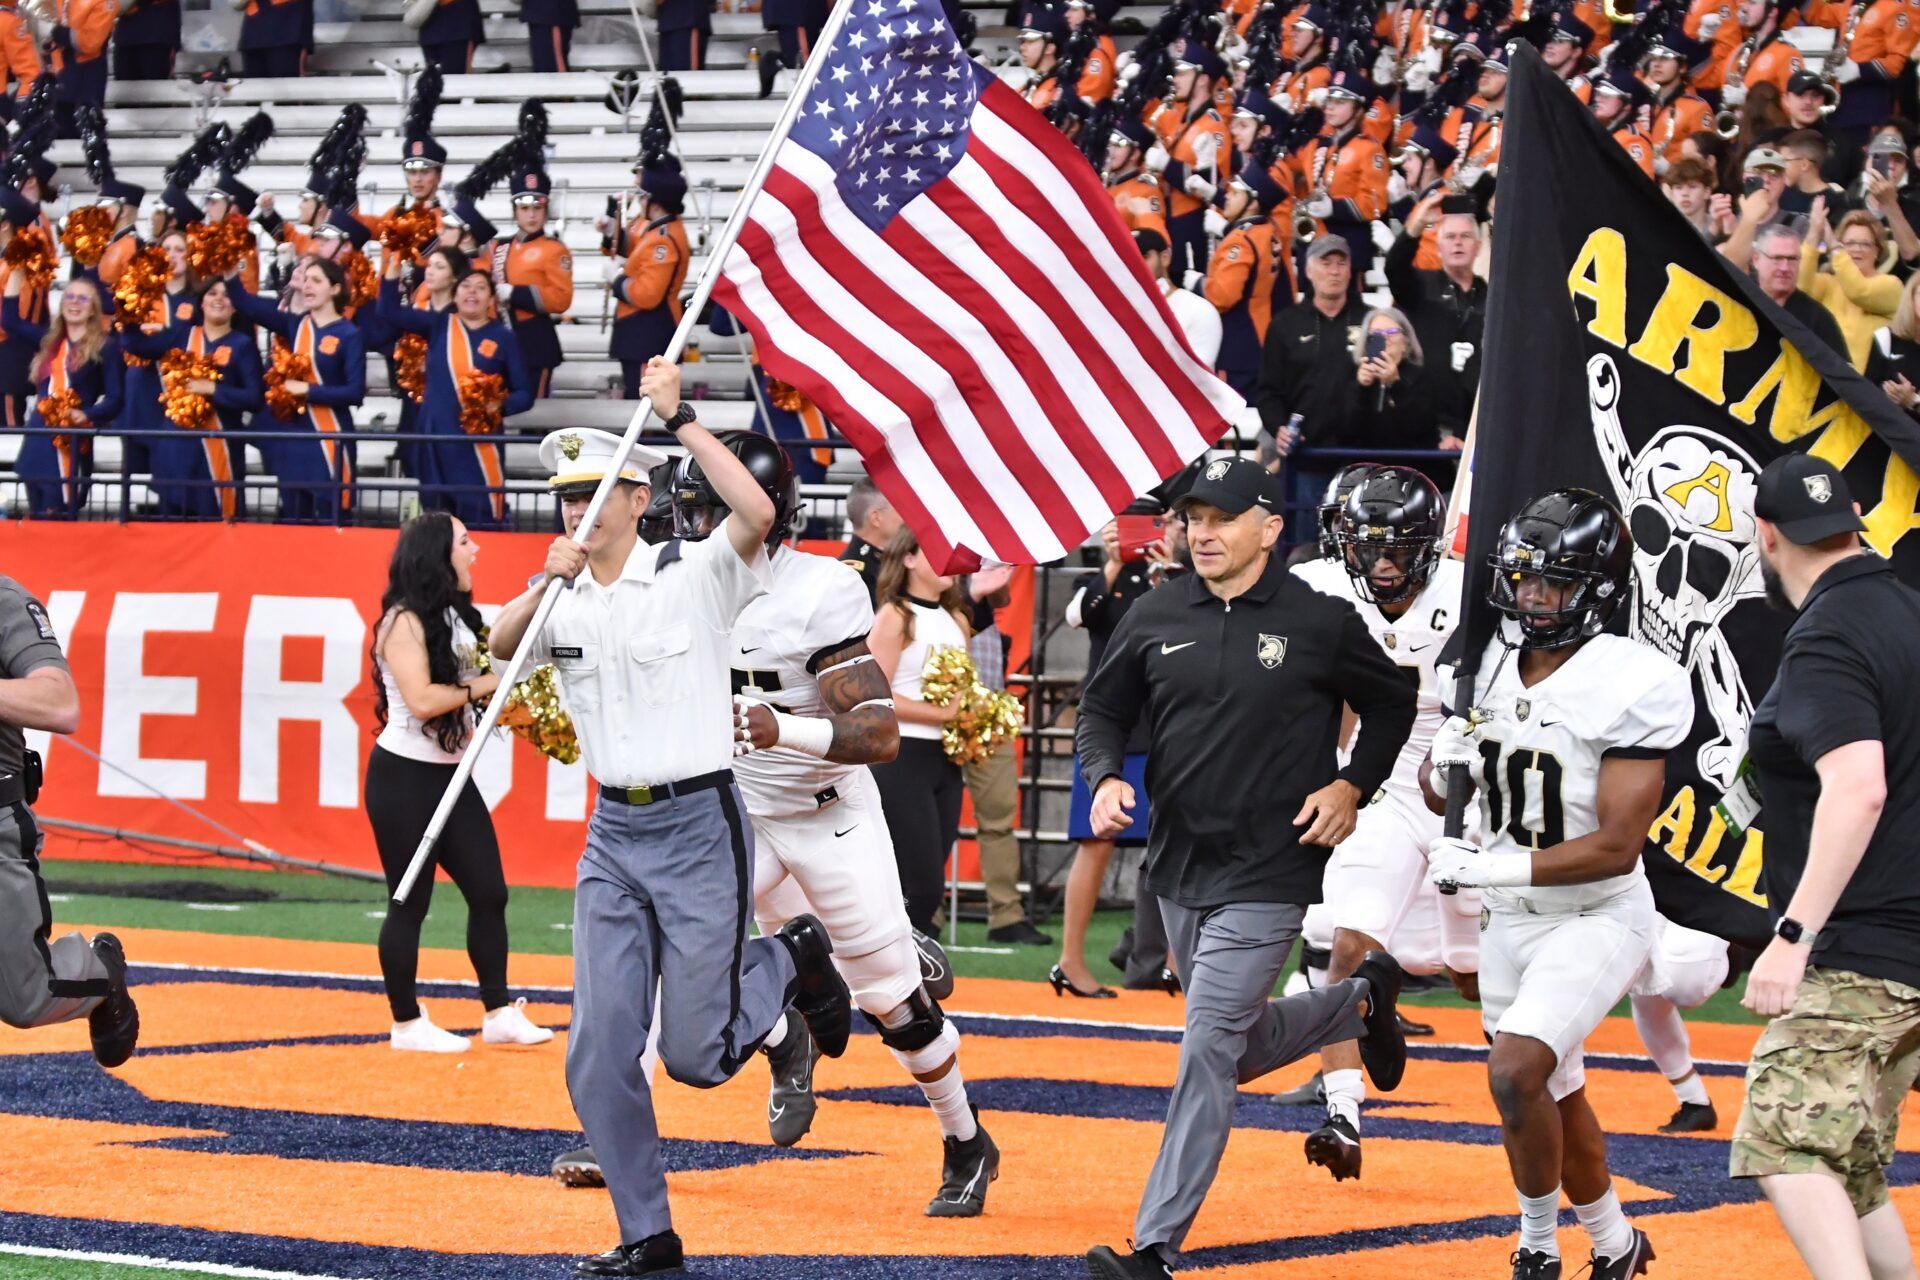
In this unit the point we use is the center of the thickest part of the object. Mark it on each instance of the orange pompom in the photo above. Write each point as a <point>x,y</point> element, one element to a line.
<point>786,396</point>
<point>362,285</point>
<point>186,408</point>
<point>86,234</point>
<point>410,365</point>
<point>56,410</point>
<point>409,231</point>
<point>141,286</point>
<point>30,252</point>
<point>287,366</point>
<point>213,250</point>
<point>481,397</point>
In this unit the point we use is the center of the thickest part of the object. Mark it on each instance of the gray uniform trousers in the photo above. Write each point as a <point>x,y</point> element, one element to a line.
<point>40,984</point>
<point>1229,958</point>
<point>665,894</point>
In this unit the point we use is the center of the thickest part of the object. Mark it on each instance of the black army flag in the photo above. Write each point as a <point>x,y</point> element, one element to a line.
<point>1624,354</point>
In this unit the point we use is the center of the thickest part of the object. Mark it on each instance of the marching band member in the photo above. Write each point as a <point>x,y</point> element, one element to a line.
<point>535,275</point>
<point>77,54</point>
<point>1245,274</point>
<point>1193,143</point>
<point>19,57</point>
<point>275,38</point>
<point>650,263</point>
<point>195,474</point>
<point>1342,174</point>
<point>1138,193</point>
<point>1617,97</point>
<point>16,355</point>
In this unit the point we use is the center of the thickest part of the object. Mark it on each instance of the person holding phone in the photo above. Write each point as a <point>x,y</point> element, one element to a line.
<point>1395,407</point>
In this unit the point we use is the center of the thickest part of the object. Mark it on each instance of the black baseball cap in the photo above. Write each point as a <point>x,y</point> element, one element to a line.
<point>1806,498</point>
<point>1232,485</point>
<point>1805,82</point>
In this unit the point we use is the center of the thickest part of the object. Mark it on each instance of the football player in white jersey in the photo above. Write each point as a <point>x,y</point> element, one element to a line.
<point>1567,742</point>
<point>1377,898</point>
<point>819,710</point>
<point>1688,967</point>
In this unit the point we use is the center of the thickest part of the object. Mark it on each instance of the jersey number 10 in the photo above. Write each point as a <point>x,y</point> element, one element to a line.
<point>1507,795</point>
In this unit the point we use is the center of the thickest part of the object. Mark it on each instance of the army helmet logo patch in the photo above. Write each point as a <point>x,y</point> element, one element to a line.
<point>1391,640</point>
<point>1819,488</point>
<point>1272,651</point>
<point>1521,707</point>
<point>569,446</point>
<point>1217,469</point>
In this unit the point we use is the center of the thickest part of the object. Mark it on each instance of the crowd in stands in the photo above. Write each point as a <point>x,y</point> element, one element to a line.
<point>1310,185</point>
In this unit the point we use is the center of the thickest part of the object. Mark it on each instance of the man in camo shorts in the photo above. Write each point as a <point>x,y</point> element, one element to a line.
<point>1835,747</point>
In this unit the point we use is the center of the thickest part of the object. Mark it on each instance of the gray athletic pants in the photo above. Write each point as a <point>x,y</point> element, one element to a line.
<point>40,983</point>
<point>665,894</point>
<point>1229,958</point>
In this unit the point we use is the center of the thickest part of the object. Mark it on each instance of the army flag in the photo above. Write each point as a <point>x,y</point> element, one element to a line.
<point>1624,354</point>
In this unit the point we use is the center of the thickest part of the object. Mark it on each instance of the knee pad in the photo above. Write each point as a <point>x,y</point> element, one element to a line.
<point>930,1055</point>
<point>923,1026</point>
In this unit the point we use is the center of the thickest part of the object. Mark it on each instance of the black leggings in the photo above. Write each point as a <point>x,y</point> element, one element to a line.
<point>920,792</point>
<point>401,796</point>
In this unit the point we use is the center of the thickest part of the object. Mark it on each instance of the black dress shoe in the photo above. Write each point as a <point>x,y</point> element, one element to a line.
<point>1693,1117</point>
<point>1122,950</point>
<point>655,1256</point>
<point>579,1168</point>
<point>1020,933</point>
<point>819,992</point>
<point>1383,1050</point>
<point>1104,1263</point>
<point>1408,1027</point>
<point>114,1022</point>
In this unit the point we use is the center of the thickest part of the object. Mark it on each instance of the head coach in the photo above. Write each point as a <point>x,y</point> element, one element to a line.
<point>1835,749</point>
<point>1240,672</point>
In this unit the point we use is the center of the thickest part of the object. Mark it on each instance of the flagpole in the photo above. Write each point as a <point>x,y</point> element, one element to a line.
<point>710,277</point>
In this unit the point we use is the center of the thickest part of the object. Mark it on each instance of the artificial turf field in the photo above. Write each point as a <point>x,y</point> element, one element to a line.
<point>266,1130</point>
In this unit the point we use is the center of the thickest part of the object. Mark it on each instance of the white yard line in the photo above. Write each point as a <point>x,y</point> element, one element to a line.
<point>159,1264</point>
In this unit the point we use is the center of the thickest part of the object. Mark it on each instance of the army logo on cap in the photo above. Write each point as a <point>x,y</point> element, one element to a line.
<point>1217,469</point>
<point>1272,651</point>
<point>569,446</point>
<point>1819,488</point>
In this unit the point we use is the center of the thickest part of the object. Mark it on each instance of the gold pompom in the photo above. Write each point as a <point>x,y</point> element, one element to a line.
<point>362,285</point>
<point>217,248</point>
<point>186,408</point>
<point>86,234</point>
<point>987,719</point>
<point>482,395</point>
<point>533,711</point>
<point>30,253</point>
<point>56,410</point>
<point>410,365</point>
<point>287,366</point>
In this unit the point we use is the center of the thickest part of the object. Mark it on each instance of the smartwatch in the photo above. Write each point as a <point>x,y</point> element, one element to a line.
<point>683,416</point>
<point>1791,930</point>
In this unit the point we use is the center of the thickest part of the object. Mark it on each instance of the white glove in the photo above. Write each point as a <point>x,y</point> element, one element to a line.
<point>1384,66</point>
<point>1317,98</point>
<point>1428,59</point>
<point>1157,158</point>
<point>1215,222</point>
<point>1470,175</point>
<point>1605,56</point>
<point>1711,24</point>
<point>612,271</point>
<point>1205,147</point>
<point>1397,188</point>
<point>504,292</point>
<point>1733,94</point>
<point>1848,72</point>
<point>1129,69</point>
<point>1285,103</point>
<point>1318,207</point>
<point>1419,76</point>
<point>1198,187</point>
<point>742,731</point>
<point>1193,282</point>
<point>1455,742</point>
<point>1382,236</point>
<point>1463,865</point>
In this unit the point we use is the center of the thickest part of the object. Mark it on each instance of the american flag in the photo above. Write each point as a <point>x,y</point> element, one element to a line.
<point>941,272</point>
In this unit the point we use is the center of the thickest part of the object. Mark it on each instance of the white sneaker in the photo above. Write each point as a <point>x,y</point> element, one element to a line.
<point>421,1036</point>
<point>509,1025</point>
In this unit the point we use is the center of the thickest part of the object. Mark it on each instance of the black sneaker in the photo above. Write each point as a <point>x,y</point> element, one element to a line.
<point>1104,1263</point>
<point>114,1022</point>
<point>936,972</point>
<point>1629,1264</point>
<point>790,1103</point>
<point>579,1168</point>
<point>1693,1117</point>
<point>1020,933</point>
<point>655,1256</point>
<point>1383,1050</point>
<point>1308,1093</point>
<point>965,1171</point>
<point>1528,1265</point>
<point>1335,1147</point>
<point>819,993</point>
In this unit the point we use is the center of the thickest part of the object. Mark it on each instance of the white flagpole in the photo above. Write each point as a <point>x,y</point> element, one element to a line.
<point>701,293</point>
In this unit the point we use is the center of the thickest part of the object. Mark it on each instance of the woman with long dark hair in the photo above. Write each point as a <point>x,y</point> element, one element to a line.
<point>920,613</point>
<point>427,685</point>
<point>441,267</point>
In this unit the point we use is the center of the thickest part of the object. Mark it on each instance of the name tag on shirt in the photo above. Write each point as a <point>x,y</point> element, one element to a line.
<point>568,651</point>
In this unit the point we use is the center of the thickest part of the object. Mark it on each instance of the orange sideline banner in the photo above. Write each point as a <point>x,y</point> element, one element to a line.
<point>228,666</point>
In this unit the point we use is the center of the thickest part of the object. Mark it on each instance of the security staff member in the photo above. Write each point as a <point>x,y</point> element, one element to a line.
<point>41,981</point>
<point>1241,672</point>
<point>873,522</point>
<point>665,890</point>
<point>1835,748</point>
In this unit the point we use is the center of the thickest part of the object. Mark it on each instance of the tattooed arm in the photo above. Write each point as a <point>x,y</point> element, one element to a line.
<point>861,721</point>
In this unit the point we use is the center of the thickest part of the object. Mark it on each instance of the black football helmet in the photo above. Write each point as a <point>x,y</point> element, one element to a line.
<point>1571,538</point>
<point>698,509</point>
<point>657,524</point>
<point>1335,497</point>
<point>1394,514</point>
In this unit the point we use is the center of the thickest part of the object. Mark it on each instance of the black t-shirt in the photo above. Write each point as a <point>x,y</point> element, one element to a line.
<point>864,556</point>
<point>1849,672</point>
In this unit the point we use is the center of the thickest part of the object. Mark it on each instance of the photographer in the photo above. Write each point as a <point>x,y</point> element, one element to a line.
<point>1395,407</point>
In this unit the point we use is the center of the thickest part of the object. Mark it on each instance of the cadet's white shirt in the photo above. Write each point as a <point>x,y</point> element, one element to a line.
<point>643,663</point>
<point>1614,696</point>
<point>1413,640</point>
<point>814,606</point>
<point>1199,320</point>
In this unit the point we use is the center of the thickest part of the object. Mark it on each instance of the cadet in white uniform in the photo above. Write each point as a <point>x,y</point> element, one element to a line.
<point>1568,740</point>
<point>1376,895</point>
<point>665,886</point>
<point>819,711</point>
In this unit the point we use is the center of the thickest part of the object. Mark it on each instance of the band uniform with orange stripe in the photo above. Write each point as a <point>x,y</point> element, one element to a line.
<point>646,292</point>
<point>535,272</point>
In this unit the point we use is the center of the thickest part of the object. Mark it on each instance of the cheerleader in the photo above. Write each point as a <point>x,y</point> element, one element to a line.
<point>466,477</point>
<point>407,353</point>
<point>16,357</point>
<point>141,417</point>
<point>75,355</point>
<point>194,473</point>
<point>316,477</point>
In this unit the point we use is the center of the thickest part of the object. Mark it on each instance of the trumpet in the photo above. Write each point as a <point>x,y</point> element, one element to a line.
<point>1305,226</point>
<point>1726,123</point>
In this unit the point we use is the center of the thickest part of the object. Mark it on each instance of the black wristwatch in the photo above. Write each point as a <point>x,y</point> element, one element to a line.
<point>682,417</point>
<point>1791,930</point>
